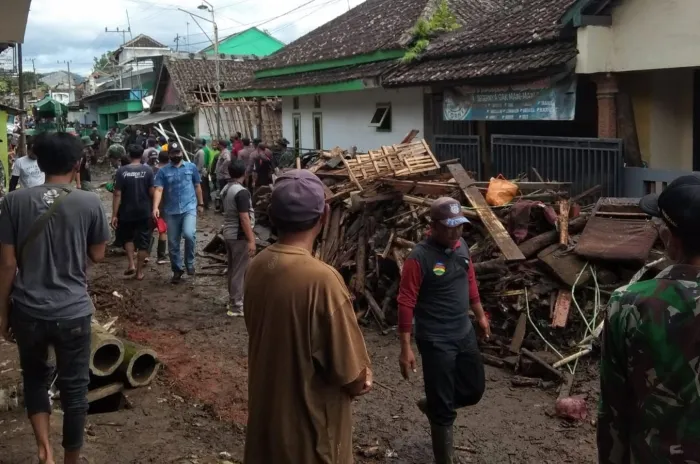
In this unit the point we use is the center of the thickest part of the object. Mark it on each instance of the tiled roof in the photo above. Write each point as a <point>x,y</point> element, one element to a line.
<point>143,41</point>
<point>190,75</point>
<point>487,64</point>
<point>513,23</point>
<point>514,37</point>
<point>325,76</point>
<point>371,26</point>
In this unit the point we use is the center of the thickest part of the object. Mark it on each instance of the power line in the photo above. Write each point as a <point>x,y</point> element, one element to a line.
<point>253,24</point>
<point>285,26</point>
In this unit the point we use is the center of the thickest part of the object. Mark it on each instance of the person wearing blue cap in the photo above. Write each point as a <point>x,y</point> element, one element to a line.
<point>438,287</point>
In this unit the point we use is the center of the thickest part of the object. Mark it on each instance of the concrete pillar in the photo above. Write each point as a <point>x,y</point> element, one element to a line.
<point>607,107</point>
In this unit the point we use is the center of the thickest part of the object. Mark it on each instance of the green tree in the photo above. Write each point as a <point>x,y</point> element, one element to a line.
<point>104,63</point>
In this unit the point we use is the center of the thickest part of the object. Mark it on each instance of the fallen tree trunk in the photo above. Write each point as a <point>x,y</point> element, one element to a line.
<point>106,352</point>
<point>533,246</point>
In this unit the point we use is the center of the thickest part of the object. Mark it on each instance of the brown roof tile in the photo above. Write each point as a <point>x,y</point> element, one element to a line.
<point>504,62</point>
<point>326,76</point>
<point>513,23</point>
<point>371,26</point>
<point>143,41</point>
<point>191,75</point>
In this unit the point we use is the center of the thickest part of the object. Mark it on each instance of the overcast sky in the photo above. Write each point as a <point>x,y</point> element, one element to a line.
<point>58,31</point>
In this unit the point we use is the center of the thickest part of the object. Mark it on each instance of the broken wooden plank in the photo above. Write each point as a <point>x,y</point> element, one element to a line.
<point>398,258</point>
<point>420,188</point>
<point>374,307</point>
<point>104,392</point>
<point>491,360</point>
<point>564,208</point>
<point>361,261</point>
<point>519,334</point>
<point>410,136</point>
<point>499,233</point>
<point>530,355</point>
<point>403,243</point>
<point>561,309</point>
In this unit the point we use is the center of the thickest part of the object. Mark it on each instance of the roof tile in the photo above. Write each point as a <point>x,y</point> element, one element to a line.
<point>326,76</point>
<point>487,64</point>
<point>513,23</point>
<point>191,75</point>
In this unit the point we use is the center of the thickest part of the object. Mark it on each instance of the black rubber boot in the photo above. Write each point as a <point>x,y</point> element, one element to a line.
<point>442,444</point>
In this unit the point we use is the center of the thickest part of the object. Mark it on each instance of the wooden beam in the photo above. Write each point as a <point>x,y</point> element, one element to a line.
<point>519,334</point>
<point>499,233</point>
<point>529,186</point>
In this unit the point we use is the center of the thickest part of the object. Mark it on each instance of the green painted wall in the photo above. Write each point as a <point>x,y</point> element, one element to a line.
<point>249,42</point>
<point>129,106</point>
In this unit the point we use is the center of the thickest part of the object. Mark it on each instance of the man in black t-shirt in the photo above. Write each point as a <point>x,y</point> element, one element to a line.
<point>131,210</point>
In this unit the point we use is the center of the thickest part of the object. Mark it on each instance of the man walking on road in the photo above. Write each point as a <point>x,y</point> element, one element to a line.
<point>181,184</point>
<point>306,357</point>
<point>649,396</point>
<point>239,220</point>
<point>131,210</point>
<point>438,287</point>
<point>47,233</point>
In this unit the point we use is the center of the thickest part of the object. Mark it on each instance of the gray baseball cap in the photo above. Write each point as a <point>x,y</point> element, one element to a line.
<point>297,196</point>
<point>448,212</point>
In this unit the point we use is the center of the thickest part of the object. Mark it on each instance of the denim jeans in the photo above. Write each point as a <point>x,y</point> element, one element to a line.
<point>453,373</point>
<point>179,226</point>
<point>71,341</point>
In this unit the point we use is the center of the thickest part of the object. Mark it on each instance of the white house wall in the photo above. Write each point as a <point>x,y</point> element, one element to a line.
<point>645,35</point>
<point>346,117</point>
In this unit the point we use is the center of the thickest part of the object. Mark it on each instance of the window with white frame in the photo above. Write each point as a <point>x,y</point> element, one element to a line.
<point>381,119</point>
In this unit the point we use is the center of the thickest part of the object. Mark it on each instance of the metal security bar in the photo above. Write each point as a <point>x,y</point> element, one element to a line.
<point>585,162</point>
<point>466,148</point>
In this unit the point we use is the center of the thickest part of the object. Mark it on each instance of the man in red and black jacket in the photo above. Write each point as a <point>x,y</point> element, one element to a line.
<point>438,287</point>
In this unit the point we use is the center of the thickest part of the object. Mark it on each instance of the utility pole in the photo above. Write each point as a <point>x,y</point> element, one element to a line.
<point>20,81</point>
<point>187,37</point>
<point>177,42</point>
<point>206,6</point>
<point>123,32</point>
<point>36,78</point>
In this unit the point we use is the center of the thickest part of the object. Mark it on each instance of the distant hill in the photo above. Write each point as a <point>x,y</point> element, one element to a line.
<point>55,78</point>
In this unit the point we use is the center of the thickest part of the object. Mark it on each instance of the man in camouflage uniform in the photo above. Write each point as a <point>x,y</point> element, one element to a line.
<point>649,409</point>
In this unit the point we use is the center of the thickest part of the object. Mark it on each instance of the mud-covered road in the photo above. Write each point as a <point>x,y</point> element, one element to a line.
<point>197,407</point>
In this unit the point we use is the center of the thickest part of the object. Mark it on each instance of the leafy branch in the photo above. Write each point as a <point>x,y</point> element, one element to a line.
<point>442,20</point>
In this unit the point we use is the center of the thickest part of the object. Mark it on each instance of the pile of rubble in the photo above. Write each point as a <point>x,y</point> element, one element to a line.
<point>546,262</point>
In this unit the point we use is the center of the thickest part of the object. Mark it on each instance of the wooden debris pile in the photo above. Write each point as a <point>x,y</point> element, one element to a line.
<point>544,275</point>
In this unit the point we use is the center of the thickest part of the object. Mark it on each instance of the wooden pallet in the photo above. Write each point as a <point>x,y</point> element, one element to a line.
<point>391,161</point>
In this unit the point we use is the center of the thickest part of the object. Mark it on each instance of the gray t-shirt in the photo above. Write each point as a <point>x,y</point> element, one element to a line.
<point>236,198</point>
<point>51,282</point>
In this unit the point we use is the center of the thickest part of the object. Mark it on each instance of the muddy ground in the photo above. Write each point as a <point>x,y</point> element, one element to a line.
<point>196,409</point>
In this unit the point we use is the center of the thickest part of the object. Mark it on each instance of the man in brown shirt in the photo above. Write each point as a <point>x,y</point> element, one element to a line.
<point>306,357</point>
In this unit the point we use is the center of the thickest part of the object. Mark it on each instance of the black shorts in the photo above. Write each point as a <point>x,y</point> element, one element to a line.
<point>138,232</point>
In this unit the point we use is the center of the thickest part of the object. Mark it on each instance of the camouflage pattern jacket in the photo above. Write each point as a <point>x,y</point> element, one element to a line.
<point>649,408</point>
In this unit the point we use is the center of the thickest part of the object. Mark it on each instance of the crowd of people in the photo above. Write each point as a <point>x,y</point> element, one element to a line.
<point>307,358</point>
